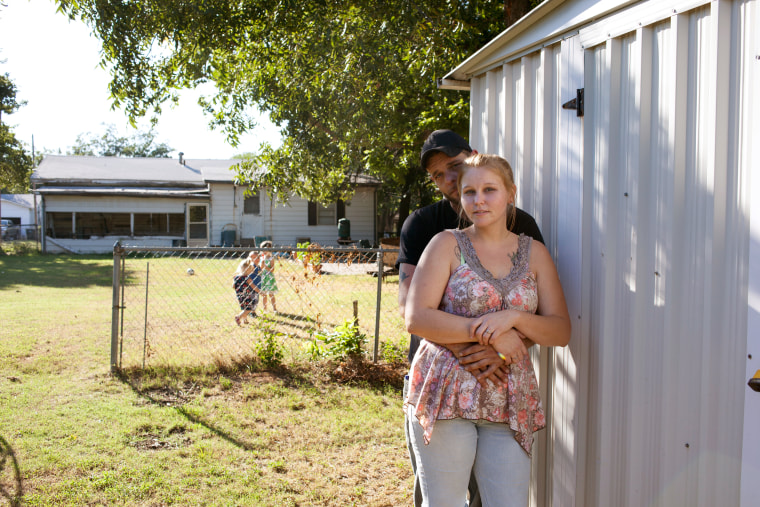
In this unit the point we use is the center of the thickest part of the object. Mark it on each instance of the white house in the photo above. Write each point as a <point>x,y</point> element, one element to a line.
<point>20,209</point>
<point>89,203</point>
<point>633,130</point>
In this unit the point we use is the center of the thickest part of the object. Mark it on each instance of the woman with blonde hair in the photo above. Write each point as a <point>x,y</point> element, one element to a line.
<point>477,284</point>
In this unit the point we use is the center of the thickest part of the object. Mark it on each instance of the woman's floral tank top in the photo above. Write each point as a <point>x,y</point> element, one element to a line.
<point>441,389</point>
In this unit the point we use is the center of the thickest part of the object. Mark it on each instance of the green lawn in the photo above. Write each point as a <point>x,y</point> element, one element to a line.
<point>73,434</point>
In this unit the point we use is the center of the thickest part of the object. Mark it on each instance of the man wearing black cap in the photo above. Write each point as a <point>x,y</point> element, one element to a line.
<point>442,155</point>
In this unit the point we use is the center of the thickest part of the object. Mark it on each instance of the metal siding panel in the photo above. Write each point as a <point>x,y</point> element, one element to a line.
<point>517,156</point>
<point>597,125</point>
<point>498,118</point>
<point>750,165</point>
<point>568,241</point>
<point>668,117</point>
<point>545,132</point>
<point>508,112</point>
<point>700,203</point>
<point>526,195</point>
<point>490,128</point>
<point>477,103</point>
<point>726,384</point>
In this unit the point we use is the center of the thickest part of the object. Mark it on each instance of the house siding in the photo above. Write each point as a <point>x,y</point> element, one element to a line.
<point>290,222</point>
<point>221,211</point>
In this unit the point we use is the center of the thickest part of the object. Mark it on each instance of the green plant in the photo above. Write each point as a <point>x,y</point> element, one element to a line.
<point>343,341</point>
<point>393,352</point>
<point>225,383</point>
<point>20,248</point>
<point>268,348</point>
<point>312,257</point>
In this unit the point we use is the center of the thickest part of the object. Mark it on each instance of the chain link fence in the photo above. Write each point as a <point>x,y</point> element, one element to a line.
<point>177,306</point>
<point>20,238</point>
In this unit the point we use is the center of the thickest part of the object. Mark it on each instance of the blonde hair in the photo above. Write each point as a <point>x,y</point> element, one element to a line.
<point>246,264</point>
<point>501,168</point>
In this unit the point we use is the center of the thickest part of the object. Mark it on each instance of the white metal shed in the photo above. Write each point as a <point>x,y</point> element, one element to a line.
<point>644,197</point>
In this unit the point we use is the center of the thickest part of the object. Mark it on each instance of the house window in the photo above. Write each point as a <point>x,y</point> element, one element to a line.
<point>103,224</point>
<point>159,224</point>
<point>252,205</point>
<point>60,225</point>
<point>150,224</point>
<point>326,215</point>
<point>176,224</point>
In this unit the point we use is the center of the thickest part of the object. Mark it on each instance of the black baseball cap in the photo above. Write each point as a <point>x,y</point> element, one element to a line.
<point>445,140</point>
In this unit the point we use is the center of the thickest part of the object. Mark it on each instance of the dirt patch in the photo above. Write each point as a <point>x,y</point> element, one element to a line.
<point>154,443</point>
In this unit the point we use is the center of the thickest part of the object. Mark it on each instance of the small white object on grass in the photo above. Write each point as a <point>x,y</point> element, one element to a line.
<point>190,271</point>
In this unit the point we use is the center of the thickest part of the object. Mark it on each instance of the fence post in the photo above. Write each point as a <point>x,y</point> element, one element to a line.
<point>380,270</point>
<point>116,281</point>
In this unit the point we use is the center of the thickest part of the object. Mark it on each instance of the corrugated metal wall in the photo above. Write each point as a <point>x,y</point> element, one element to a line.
<point>644,203</point>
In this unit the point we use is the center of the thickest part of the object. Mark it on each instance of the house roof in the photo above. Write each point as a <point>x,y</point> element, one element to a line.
<point>117,171</point>
<point>126,191</point>
<point>24,200</point>
<point>76,173</point>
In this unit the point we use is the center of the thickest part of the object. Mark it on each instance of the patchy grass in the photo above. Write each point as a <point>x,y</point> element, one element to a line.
<point>327,433</point>
<point>171,318</point>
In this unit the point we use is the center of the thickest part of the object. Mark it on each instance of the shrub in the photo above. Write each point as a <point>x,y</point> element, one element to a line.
<point>393,352</point>
<point>268,348</point>
<point>343,341</point>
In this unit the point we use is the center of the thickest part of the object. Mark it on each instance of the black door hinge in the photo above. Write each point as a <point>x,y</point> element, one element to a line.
<point>576,103</point>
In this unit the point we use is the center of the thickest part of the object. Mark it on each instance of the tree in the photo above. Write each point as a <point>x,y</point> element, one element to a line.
<point>15,163</point>
<point>111,144</point>
<point>352,83</point>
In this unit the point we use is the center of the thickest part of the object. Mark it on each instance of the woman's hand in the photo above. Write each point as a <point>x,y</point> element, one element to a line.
<point>496,329</point>
<point>485,328</point>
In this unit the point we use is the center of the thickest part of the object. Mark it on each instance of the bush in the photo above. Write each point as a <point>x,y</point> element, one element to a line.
<point>343,341</point>
<point>393,353</point>
<point>268,349</point>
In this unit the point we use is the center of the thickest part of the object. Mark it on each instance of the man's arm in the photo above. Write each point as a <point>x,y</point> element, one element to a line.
<point>405,272</point>
<point>481,361</point>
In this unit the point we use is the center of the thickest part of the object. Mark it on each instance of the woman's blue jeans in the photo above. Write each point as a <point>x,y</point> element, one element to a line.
<point>457,446</point>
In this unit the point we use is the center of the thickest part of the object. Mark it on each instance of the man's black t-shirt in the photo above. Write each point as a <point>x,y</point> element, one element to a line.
<point>424,223</point>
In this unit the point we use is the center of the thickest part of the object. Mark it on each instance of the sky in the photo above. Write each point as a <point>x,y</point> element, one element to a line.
<point>54,65</point>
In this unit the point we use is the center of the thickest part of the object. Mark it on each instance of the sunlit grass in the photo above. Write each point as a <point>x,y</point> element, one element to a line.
<point>208,434</point>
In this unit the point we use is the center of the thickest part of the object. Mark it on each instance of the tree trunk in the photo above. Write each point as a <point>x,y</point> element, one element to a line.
<point>514,10</point>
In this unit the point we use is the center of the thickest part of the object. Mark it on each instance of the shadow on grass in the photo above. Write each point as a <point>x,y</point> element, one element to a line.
<point>156,386</point>
<point>58,271</point>
<point>8,459</point>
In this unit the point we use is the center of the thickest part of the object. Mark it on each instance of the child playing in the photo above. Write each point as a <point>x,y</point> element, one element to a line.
<point>247,284</point>
<point>268,281</point>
